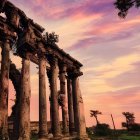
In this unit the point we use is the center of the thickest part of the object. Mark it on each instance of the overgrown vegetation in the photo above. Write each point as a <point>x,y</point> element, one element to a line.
<point>118,135</point>
<point>128,137</point>
<point>102,130</point>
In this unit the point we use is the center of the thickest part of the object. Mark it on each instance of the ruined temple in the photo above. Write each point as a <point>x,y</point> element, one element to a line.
<point>26,37</point>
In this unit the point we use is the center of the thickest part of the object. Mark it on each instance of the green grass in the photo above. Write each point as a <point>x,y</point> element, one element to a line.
<point>126,137</point>
<point>121,137</point>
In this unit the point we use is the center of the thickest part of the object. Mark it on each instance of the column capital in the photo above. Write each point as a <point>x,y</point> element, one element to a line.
<point>12,14</point>
<point>7,32</point>
<point>9,37</point>
<point>41,47</point>
<point>74,73</point>
<point>41,55</point>
<point>53,61</point>
<point>26,55</point>
<point>62,67</point>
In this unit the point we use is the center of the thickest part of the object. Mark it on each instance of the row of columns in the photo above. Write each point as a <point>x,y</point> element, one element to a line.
<point>75,103</point>
<point>75,109</point>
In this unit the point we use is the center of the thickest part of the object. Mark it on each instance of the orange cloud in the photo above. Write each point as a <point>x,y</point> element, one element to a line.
<point>112,103</point>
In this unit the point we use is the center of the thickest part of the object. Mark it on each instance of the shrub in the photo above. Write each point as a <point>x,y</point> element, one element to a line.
<point>135,127</point>
<point>102,130</point>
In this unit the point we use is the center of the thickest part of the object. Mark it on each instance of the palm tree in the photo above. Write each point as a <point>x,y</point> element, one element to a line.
<point>124,5</point>
<point>94,113</point>
<point>130,119</point>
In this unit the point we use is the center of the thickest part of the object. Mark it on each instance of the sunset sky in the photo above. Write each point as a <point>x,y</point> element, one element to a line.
<point>107,46</point>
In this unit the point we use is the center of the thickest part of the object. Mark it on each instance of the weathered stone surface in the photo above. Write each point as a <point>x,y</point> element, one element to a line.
<point>70,106</point>
<point>4,89</point>
<point>79,117</point>
<point>15,77</point>
<point>42,99</point>
<point>52,75</point>
<point>62,77</point>
<point>24,123</point>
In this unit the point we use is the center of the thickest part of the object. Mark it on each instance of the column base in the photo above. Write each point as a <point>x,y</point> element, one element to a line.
<point>48,137</point>
<point>4,134</point>
<point>73,133</point>
<point>57,137</point>
<point>41,136</point>
<point>65,138</point>
<point>66,134</point>
<point>74,138</point>
<point>84,137</point>
<point>4,138</point>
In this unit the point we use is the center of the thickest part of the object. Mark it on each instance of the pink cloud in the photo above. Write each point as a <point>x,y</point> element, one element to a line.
<point>113,103</point>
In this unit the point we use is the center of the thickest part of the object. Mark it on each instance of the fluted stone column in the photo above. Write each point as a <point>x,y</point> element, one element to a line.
<point>4,89</point>
<point>24,122</point>
<point>42,99</point>
<point>70,106</point>
<point>62,77</point>
<point>52,75</point>
<point>79,116</point>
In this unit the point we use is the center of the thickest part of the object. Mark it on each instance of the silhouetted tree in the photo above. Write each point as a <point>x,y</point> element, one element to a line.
<point>124,5</point>
<point>94,113</point>
<point>130,120</point>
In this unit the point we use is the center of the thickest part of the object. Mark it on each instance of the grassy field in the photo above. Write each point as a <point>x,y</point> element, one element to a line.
<point>126,137</point>
<point>121,137</point>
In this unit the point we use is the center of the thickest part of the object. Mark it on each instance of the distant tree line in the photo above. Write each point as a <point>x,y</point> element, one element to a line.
<point>103,129</point>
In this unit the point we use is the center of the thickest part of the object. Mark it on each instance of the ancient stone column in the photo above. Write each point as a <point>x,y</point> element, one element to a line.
<point>70,106</point>
<point>24,122</point>
<point>4,89</point>
<point>42,99</point>
<point>79,117</point>
<point>53,75</point>
<point>62,96</point>
<point>15,76</point>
